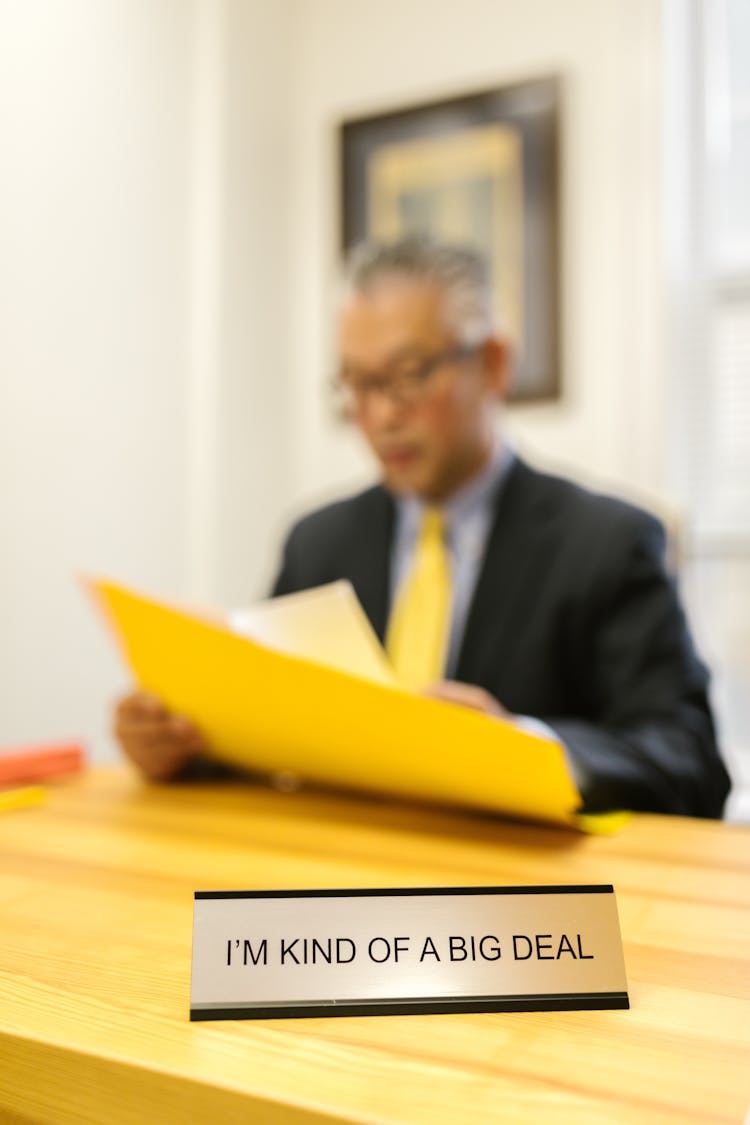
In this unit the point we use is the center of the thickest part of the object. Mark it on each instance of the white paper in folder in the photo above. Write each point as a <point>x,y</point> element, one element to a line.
<point>326,624</point>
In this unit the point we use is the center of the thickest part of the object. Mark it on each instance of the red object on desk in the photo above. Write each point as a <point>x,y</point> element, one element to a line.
<point>35,763</point>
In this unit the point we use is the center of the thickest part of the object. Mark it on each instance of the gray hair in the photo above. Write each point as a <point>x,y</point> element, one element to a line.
<point>461,271</point>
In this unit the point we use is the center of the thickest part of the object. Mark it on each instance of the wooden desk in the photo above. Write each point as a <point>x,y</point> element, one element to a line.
<point>95,943</point>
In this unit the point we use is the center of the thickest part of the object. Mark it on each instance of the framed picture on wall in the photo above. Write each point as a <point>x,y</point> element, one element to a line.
<point>480,169</point>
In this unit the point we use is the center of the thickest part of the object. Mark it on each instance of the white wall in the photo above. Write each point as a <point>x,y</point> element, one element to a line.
<point>362,57</point>
<point>95,134</point>
<point>141,356</point>
<point>246,512</point>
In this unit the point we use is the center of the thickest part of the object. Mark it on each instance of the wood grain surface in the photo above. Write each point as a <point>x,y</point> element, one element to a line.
<point>96,905</point>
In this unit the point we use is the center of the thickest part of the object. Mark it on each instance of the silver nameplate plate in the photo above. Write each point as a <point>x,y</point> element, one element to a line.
<point>261,954</point>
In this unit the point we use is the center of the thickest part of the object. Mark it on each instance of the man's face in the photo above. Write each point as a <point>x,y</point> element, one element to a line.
<point>430,433</point>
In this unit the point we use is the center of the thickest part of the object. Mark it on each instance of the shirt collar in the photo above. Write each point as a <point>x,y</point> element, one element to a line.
<point>476,494</point>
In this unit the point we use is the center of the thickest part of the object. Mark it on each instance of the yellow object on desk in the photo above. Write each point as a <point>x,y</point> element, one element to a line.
<point>21,798</point>
<point>262,708</point>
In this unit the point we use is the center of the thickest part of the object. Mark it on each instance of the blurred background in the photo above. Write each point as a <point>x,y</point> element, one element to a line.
<point>168,253</point>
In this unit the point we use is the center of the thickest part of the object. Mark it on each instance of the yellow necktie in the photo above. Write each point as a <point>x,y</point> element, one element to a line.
<point>418,627</point>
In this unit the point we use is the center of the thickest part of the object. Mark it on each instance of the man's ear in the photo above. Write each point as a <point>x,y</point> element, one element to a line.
<point>497,361</point>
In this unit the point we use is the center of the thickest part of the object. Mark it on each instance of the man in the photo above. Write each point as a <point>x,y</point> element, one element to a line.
<point>544,601</point>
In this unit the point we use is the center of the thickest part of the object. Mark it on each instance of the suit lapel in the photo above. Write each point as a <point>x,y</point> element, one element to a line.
<point>502,596</point>
<point>370,561</point>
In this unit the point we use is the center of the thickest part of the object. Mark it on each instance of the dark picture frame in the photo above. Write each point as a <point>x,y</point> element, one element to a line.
<point>481,169</point>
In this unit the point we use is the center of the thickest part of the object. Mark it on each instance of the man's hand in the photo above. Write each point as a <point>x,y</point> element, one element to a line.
<point>468,695</point>
<point>160,744</point>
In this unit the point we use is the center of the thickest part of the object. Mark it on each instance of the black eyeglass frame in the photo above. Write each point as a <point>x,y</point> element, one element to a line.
<point>405,387</point>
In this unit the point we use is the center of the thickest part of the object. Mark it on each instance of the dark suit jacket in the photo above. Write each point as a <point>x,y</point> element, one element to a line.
<point>573,620</point>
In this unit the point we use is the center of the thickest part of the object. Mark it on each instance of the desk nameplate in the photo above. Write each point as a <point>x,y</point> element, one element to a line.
<point>261,954</point>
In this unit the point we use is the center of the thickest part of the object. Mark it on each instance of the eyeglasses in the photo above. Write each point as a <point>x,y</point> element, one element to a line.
<point>407,384</point>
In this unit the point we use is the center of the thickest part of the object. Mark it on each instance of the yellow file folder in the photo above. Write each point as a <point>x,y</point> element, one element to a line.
<point>267,710</point>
